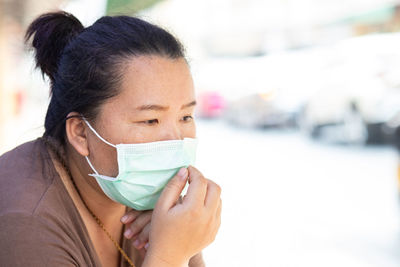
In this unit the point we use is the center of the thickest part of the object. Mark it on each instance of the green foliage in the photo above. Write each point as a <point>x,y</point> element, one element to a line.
<point>128,7</point>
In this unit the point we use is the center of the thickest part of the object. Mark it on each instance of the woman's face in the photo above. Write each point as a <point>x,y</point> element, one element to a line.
<point>156,103</point>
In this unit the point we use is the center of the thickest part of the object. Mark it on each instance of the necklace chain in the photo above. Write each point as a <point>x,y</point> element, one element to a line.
<point>98,221</point>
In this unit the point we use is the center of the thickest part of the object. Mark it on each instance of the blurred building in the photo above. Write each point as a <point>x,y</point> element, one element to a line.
<point>246,28</point>
<point>23,92</point>
<point>14,17</point>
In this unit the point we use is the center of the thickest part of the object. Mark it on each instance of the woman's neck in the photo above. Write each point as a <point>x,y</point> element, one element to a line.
<point>105,209</point>
<point>91,195</point>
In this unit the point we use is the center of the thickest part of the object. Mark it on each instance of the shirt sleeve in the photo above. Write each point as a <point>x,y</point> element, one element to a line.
<point>28,240</point>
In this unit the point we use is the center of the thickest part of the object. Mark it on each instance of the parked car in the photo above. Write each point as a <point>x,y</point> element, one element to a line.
<point>359,97</point>
<point>259,111</point>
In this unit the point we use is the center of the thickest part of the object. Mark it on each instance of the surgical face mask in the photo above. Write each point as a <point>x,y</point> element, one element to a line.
<point>144,170</point>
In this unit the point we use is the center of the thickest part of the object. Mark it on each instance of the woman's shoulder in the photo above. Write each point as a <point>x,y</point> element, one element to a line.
<point>23,158</point>
<point>37,240</point>
<point>36,212</point>
<point>27,178</point>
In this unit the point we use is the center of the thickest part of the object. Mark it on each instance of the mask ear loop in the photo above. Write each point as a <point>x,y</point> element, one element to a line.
<point>94,131</point>
<point>97,175</point>
<point>91,166</point>
<point>102,139</point>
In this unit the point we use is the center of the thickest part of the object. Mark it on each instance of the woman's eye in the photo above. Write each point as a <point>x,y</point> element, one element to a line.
<point>187,118</point>
<point>151,122</point>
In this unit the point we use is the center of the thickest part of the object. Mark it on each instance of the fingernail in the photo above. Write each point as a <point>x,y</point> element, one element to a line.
<point>182,173</point>
<point>128,233</point>
<point>136,243</point>
<point>124,219</point>
<point>146,246</point>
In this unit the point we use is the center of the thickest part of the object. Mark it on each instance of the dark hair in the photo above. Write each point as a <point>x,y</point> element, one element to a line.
<point>84,64</point>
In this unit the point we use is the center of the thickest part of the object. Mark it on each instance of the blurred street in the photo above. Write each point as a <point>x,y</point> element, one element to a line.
<point>288,201</point>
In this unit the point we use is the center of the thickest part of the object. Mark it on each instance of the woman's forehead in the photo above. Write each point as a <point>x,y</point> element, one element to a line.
<point>155,80</point>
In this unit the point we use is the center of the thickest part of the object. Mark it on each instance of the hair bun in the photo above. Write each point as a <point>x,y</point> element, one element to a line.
<point>51,33</point>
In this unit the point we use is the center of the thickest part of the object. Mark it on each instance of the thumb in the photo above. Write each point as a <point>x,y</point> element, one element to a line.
<point>172,190</point>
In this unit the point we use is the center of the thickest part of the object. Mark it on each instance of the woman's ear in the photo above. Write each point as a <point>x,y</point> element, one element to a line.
<point>76,133</point>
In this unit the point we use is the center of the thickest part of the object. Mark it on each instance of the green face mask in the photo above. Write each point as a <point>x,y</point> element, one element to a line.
<point>144,170</point>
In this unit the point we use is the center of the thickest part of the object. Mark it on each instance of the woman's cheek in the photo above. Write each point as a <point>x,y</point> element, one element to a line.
<point>191,130</point>
<point>140,134</point>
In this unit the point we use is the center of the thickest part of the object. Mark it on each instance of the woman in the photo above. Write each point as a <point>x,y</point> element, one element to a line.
<point>102,186</point>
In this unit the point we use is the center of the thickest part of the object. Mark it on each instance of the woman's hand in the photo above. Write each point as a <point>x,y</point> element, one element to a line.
<point>179,230</point>
<point>137,227</point>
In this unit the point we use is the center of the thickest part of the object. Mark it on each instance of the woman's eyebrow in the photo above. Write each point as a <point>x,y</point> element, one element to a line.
<point>163,108</point>
<point>193,103</point>
<point>153,107</point>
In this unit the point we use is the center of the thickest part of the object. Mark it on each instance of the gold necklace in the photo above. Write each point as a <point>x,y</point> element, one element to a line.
<point>99,222</point>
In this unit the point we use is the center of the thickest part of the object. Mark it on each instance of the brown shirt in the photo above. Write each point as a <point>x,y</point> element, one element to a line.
<point>39,223</point>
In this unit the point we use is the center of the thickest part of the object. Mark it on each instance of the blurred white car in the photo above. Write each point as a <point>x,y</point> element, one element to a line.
<point>360,92</point>
<point>260,111</point>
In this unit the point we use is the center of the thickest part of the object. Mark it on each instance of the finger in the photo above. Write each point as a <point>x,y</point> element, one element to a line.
<point>137,226</point>
<point>217,219</point>
<point>142,238</point>
<point>130,216</point>
<point>219,210</point>
<point>172,190</point>
<point>213,196</point>
<point>197,187</point>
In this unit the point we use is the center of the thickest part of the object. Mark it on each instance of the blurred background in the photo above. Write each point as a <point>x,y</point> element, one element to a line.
<point>298,118</point>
